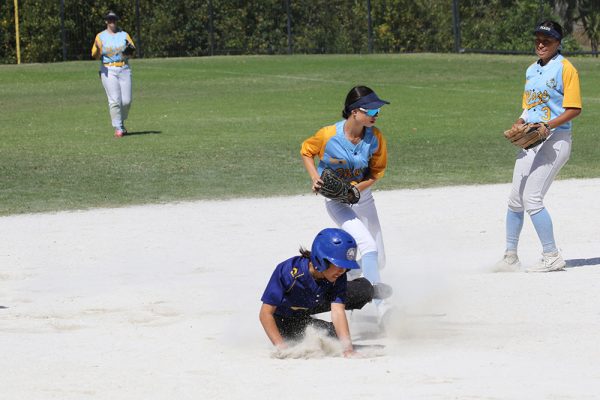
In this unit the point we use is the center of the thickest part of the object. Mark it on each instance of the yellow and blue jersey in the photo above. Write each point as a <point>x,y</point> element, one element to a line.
<point>353,162</point>
<point>550,89</point>
<point>293,290</point>
<point>111,47</point>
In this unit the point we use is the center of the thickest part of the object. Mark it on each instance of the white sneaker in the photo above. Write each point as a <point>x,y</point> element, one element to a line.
<point>509,263</point>
<point>549,262</point>
<point>386,315</point>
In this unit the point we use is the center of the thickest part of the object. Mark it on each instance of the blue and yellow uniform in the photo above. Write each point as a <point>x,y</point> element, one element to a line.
<point>115,73</point>
<point>111,48</point>
<point>552,96</point>
<point>297,295</point>
<point>353,162</point>
<point>550,89</point>
<point>294,291</point>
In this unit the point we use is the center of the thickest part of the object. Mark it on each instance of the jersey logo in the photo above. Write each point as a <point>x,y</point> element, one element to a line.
<point>337,160</point>
<point>551,83</point>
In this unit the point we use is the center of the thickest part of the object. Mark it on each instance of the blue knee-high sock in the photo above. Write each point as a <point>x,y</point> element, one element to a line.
<point>514,224</point>
<point>543,226</point>
<point>370,267</point>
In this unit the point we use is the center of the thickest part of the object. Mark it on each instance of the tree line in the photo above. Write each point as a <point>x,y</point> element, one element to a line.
<point>53,30</point>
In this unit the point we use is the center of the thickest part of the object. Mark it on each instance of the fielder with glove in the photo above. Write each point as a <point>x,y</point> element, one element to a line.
<point>113,47</point>
<point>551,99</point>
<point>352,156</point>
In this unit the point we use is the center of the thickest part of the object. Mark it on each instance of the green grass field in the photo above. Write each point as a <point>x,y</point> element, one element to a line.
<point>222,127</point>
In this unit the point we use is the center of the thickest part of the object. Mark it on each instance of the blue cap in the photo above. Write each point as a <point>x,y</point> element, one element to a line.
<point>368,102</point>
<point>548,31</point>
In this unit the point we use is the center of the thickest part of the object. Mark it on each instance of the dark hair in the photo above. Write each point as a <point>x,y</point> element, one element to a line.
<point>304,253</point>
<point>353,96</point>
<point>553,25</point>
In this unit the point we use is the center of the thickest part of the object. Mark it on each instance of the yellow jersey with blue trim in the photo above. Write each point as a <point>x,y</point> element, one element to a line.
<point>550,89</point>
<point>109,47</point>
<point>353,162</point>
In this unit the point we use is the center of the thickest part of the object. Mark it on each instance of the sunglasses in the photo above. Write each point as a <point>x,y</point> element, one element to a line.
<point>370,113</point>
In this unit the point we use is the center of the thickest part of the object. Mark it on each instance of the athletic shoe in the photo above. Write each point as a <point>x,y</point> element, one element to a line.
<point>549,262</point>
<point>386,313</point>
<point>509,263</point>
<point>124,130</point>
<point>382,291</point>
<point>118,133</point>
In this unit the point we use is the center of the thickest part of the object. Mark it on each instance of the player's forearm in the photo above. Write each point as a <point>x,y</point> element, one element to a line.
<point>268,322</point>
<point>340,322</point>
<point>309,164</point>
<point>367,183</point>
<point>565,117</point>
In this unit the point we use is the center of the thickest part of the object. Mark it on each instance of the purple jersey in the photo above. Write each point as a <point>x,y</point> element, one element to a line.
<point>292,289</point>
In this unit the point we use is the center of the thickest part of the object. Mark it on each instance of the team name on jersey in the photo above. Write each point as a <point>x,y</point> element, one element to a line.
<point>535,98</point>
<point>347,173</point>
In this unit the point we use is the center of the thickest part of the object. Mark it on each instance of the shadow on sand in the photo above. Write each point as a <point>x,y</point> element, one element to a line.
<point>581,262</point>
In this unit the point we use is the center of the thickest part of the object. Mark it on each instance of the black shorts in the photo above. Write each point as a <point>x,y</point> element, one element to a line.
<point>358,293</point>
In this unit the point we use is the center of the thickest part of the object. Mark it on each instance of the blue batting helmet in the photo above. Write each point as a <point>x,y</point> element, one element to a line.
<point>336,246</point>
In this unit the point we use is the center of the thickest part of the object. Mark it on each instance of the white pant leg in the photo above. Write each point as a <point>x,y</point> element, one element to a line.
<point>362,222</point>
<point>535,171</point>
<point>367,213</point>
<point>125,84</point>
<point>110,81</point>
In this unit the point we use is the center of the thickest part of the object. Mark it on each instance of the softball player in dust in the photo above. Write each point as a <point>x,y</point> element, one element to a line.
<point>356,150</point>
<point>312,283</point>
<point>551,96</point>
<point>111,47</point>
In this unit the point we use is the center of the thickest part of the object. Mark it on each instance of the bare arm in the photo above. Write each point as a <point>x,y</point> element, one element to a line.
<point>268,322</point>
<point>367,183</point>
<point>565,117</point>
<point>340,322</point>
<point>309,164</point>
<point>569,114</point>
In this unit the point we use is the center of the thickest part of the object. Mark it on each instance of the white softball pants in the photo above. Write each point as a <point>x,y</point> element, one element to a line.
<point>117,84</point>
<point>535,170</point>
<point>362,222</point>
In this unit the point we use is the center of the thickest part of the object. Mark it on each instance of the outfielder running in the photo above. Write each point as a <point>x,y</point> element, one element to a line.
<point>552,97</point>
<point>356,150</point>
<point>113,47</point>
<point>313,283</point>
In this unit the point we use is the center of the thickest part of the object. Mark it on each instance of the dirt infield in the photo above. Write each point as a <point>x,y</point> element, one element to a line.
<point>162,301</point>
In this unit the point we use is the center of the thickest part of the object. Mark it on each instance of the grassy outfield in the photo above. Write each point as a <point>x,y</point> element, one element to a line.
<point>221,127</point>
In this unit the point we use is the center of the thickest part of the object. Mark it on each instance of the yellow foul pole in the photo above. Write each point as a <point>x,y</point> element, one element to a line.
<point>17,39</point>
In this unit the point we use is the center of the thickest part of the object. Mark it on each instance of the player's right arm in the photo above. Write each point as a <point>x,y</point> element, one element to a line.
<point>309,164</point>
<point>313,147</point>
<point>268,322</point>
<point>97,48</point>
<point>340,322</point>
